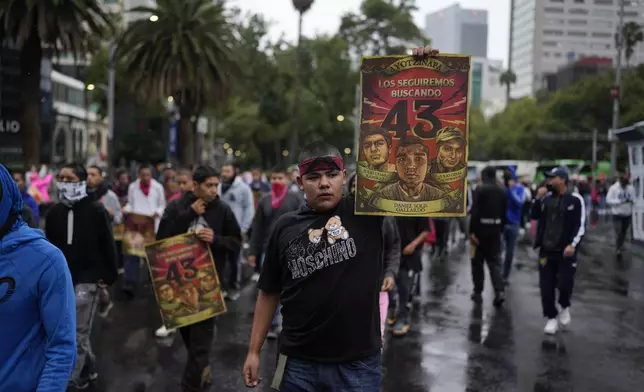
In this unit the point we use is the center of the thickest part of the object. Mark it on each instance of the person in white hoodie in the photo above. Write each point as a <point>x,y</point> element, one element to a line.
<point>239,197</point>
<point>620,198</point>
<point>145,197</point>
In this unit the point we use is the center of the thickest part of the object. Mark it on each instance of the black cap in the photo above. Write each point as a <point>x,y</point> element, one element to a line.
<point>557,172</point>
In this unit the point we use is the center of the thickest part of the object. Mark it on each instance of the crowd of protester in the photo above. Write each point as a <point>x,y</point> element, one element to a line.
<point>238,214</point>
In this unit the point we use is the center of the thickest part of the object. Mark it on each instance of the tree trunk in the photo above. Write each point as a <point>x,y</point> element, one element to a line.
<point>30,58</point>
<point>186,138</point>
<point>507,94</point>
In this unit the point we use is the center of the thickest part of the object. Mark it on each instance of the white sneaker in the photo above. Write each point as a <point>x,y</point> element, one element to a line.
<point>163,332</point>
<point>255,277</point>
<point>564,317</point>
<point>551,327</point>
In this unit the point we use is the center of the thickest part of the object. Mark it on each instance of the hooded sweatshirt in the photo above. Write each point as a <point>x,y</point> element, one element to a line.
<point>266,216</point>
<point>180,218</point>
<point>239,197</point>
<point>516,199</point>
<point>38,345</point>
<point>83,231</point>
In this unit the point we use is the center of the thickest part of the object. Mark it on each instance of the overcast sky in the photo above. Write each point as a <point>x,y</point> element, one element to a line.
<point>324,17</point>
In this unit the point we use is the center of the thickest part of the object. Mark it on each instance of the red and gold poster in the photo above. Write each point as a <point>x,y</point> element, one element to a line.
<point>413,137</point>
<point>185,280</point>
<point>139,231</point>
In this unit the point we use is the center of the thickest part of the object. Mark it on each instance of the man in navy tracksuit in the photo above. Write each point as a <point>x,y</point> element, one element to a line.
<point>561,226</point>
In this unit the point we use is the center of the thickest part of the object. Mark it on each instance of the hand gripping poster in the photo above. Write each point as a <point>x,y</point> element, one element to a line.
<point>413,137</point>
<point>139,231</point>
<point>185,280</point>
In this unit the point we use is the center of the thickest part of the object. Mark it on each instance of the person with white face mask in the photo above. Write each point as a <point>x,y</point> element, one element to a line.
<point>81,227</point>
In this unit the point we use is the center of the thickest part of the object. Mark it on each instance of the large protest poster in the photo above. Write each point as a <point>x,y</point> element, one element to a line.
<point>413,137</point>
<point>185,280</point>
<point>139,231</point>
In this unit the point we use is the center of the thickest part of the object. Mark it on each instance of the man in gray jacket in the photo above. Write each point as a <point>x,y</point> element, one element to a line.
<point>239,197</point>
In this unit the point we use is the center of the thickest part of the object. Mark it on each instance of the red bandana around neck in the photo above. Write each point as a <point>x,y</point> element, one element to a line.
<point>145,188</point>
<point>320,163</point>
<point>278,194</point>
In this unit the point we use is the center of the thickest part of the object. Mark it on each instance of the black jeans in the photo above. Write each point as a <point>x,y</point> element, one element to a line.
<point>487,252</point>
<point>442,234</point>
<point>556,272</point>
<point>198,340</point>
<point>233,263</point>
<point>403,287</point>
<point>621,224</point>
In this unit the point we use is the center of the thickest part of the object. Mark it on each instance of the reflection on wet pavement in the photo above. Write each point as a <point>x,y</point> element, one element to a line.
<point>453,345</point>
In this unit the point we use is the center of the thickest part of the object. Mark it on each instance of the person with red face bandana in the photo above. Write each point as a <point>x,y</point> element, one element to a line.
<point>270,207</point>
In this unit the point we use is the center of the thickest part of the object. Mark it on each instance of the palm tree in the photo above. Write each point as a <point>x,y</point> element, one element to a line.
<point>632,35</point>
<point>187,54</point>
<point>508,78</point>
<point>34,25</point>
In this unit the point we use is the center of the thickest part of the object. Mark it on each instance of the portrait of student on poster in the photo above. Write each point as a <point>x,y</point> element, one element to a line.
<point>413,136</point>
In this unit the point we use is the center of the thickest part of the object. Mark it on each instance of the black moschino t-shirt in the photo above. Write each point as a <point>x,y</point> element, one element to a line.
<point>327,269</point>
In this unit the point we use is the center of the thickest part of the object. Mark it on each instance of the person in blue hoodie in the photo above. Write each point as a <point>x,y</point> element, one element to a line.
<point>516,199</point>
<point>38,345</point>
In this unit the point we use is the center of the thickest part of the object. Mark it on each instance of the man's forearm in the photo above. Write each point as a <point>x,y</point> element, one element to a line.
<point>264,313</point>
<point>420,239</point>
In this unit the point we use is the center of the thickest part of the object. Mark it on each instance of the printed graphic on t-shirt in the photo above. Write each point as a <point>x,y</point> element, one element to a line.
<point>326,246</point>
<point>199,223</point>
<point>624,196</point>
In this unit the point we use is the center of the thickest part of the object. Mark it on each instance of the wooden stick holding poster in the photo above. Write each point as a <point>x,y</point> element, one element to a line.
<point>185,280</point>
<point>139,231</point>
<point>414,131</point>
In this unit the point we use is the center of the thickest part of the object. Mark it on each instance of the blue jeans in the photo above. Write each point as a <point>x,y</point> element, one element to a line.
<point>510,235</point>
<point>356,376</point>
<point>131,266</point>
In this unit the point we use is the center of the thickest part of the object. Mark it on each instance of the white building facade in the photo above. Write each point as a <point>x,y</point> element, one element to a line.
<point>129,17</point>
<point>547,34</point>
<point>459,30</point>
<point>486,91</point>
<point>78,133</point>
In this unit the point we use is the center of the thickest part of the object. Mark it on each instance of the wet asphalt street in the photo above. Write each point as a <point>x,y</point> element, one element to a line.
<point>452,345</point>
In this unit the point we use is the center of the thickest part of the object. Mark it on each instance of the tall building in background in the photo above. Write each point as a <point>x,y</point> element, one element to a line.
<point>486,91</point>
<point>547,35</point>
<point>458,30</point>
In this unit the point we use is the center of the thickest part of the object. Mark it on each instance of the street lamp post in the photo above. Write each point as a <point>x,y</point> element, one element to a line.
<point>301,6</point>
<point>111,90</point>
<point>617,94</point>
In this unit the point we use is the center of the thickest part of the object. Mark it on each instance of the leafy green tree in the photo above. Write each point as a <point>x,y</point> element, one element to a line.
<point>508,78</point>
<point>189,54</point>
<point>383,27</point>
<point>62,26</point>
<point>258,120</point>
<point>632,35</point>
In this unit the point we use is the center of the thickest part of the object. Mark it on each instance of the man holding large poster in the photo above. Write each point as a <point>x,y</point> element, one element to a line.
<point>413,136</point>
<point>200,212</point>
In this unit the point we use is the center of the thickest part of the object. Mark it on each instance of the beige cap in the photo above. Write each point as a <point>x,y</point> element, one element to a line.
<point>450,133</point>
